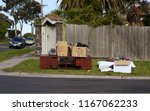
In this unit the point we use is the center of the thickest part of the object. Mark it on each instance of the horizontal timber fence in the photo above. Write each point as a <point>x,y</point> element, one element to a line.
<point>107,41</point>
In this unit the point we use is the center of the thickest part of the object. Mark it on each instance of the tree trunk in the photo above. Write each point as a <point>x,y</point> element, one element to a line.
<point>15,28</point>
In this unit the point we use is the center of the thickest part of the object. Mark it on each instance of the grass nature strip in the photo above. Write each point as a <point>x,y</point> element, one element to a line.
<point>33,66</point>
<point>4,55</point>
<point>3,41</point>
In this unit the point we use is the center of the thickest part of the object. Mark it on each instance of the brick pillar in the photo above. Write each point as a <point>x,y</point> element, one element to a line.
<point>37,40</point>
<point>59,31</point>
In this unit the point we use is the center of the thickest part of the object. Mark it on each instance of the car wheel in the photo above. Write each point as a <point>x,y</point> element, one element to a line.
<point>10,47</point>
<point>20,47</point>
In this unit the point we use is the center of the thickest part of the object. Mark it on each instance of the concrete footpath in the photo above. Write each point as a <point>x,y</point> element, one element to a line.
<point>14,61</point>
<point>18,59</point>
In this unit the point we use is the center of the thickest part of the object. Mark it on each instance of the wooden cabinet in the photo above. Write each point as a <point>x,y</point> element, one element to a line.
<point>56,61</point>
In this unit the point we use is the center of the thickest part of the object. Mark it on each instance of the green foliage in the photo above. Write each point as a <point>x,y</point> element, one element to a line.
<point>89,16</point>
<point>98,12</point>
<point>113,18</point>
<point>146,21</point>
<point>69,4</point>
<point>37,21</point>
<point>11,33</point>
<point>30,11</point>
<point>22,10</point>
<point>27,35</point>
<point>5,24</point>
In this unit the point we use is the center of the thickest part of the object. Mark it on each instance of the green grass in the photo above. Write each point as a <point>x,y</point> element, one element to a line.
<point>4,55</point>
<point>32,66</point>
<point>3,41</point>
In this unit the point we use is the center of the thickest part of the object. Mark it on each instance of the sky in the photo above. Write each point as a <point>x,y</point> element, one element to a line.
<point>49,6</point>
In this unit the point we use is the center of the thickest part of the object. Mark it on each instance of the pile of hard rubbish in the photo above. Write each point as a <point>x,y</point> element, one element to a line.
<point>67,56</point>
<point>77,50</point>
<point>121,64</point>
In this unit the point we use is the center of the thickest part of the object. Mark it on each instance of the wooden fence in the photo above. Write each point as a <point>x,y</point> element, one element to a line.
<point>108,41</point>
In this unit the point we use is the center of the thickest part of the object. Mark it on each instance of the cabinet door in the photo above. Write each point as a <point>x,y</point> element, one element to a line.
<point>79,61</point>
<point>86,63</point>
<point>44,62</point>
<point>54,62</point>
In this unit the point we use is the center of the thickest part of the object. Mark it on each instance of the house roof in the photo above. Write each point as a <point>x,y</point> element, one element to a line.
<point>140,11</point>
<point>52,19</point>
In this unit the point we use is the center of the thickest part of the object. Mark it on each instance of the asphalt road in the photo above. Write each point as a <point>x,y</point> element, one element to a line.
<point>14,84</point>
<point>4,47</point>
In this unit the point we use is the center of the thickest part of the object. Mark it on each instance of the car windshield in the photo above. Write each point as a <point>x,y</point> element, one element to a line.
<point>29,39</point>
<point>17,39</point>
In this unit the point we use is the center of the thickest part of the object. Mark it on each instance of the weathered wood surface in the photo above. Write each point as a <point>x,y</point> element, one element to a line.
<point>107,41</point>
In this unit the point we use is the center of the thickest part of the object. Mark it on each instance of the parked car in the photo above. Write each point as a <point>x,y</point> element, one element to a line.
<point>17,42</point>
<point>30,41</point>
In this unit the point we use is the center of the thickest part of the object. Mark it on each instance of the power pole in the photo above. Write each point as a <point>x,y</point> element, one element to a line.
<point>41,8</point>
<point>42,5</point>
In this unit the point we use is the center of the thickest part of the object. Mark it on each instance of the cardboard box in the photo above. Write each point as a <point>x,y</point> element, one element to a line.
<point>62,50</point>
<point>122,63</point>
<point>79,51</point>
<point>61,43</point>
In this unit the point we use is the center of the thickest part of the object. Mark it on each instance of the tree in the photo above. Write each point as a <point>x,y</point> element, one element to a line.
<point>146,20</point>
<point>94,12</point>
<point>99,12</point>
<point>103,4</point>
<point>68,4</point>
<point>27,35</point>
<point>11,33</point>
<point>22,11</point>
<point>137,11</point>
<point>5,24</point>
<point>11,8</point>
<point>28,12</point>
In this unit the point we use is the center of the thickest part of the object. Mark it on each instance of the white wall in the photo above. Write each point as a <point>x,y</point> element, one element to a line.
<point>48,39</point>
